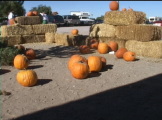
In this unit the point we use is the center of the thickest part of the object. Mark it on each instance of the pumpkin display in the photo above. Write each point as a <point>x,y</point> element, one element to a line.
<point>114,5</point>
<point>94,63</point>
<point>113,46</point>
<point>124,9</point>
<point>74,32</point>
<point>27,78</point>
<point>80,70</point>
<point>11,21</point>
<point>129,56</point>
<point>103,48</point>
<point>75,58</point>
<point>21,62</point>
<point>84,49</point>
<point>119,53</point>
<point>30,13</point>
<point>35,13</point>
<point>30,54</point>
<point>103,60</point>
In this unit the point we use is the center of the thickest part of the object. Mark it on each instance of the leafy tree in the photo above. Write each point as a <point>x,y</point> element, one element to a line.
<point>100,18</point>
<point>7,6</point>
<point>42,8</point>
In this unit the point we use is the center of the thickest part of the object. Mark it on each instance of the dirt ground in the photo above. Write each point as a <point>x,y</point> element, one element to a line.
<point>122,91</point>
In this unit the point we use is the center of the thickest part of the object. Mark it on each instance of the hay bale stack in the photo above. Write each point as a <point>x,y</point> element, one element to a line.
<point>33,38</point>
<point>50,37</point>
<point>102,30</point>
<point>28,20</point>
<point>124,17</point>
<point>138,32</point>
<point>44,28</point>
<point>8,30</point>
<point>121,42</point>
<point>12,40</point>
<point>62,39</point>
<point>145,49</point>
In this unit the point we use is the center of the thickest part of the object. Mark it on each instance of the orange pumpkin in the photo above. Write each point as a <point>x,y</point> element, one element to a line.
<point>30,54</point>
<point>94,63</point>
<point>103,48</point>
<point>30,13</point>
<point>84,49</point>
<point>113,46</point>
<point>103,60</point>
<point>114,5</point>
<point>21,62</point>
<point>74,32</point>
<point>119,53</point>
<point>129,56</point>
<point>12,21</point>
<point>80,70</point>
<point>130,9</point>
<point>75,58</point>
<point>35,13</point>
<point>94,45</point>
<point>27,78</point>
<point>124,9</point>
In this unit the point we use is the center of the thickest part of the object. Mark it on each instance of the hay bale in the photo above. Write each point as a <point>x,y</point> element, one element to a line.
<point>102,30</point>
<point>44,28</point>
<point>33,38</point>
<point>8,30</point>
<point>124,17</point>
<point>62,39</point>
<point>12,40</point>
<point>50,37</point>
<point>145,49</point>
<point>28,20</point>
<point>121,42</point>
<point>138,32</point>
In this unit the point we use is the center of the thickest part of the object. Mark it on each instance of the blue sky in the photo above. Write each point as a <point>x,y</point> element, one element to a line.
<point>97,8</point>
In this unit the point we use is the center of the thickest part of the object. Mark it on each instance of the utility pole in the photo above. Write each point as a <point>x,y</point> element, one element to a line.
<point>119,6</point>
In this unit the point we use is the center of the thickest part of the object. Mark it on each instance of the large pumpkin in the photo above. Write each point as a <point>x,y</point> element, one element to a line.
<point>30,54</point>
<point>119,53</point>
<point>94,63</point>
<point>12,21</point>
<point>76,58</point>
<point>129,56</point>
<point>30,13</point>
<point>113,46</point>
<point>21,62</point>
<point>114,5</point>
<point>84,49</point>
<point>74,32</point>
<point>103,48</point>
<point>80,70</point>
<point>27,78</point>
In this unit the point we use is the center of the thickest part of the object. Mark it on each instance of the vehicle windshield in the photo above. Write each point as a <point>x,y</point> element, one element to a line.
<point>85,18</point>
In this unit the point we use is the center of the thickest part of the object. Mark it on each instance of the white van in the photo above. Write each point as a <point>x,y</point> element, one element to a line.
<point>154,19</point>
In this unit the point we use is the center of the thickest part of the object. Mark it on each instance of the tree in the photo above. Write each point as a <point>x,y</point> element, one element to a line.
<point>7,6</point>
<point>42,8</point>
<point>100,18</point>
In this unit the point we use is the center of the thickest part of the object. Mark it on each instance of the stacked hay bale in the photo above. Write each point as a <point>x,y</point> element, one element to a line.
<point>28,29</point>
<point>127,28</point>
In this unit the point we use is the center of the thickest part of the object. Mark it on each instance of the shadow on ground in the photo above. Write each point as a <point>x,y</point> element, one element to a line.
<point>137,101</point>
<point>3,71</point>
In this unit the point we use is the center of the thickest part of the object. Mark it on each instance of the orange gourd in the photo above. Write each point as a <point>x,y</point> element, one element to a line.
<point>124,9</point>
<point>74,32</point>
<point>94,63</point>
<point>103,60</point>
<point>114,5</point>
<point>30,13</point>
<point>129,56</point>
<point>35,13</point>
<point>119,53</point>
<point>30,54</point>
<point>103,48</point>
<point>130,9</point>
<point>27,78</point>
<point>12,21</point>
<point>113,46</point>
<point>84,49</point>
<point>21,62</point>
<point>80,70</point>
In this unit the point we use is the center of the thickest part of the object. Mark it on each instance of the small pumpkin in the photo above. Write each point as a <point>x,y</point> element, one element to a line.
<point>113,46</point>
<point>80,70</point>
<point>103,48</point>
<point>84,49</point>
<point>124,9</point>
<point>30,13</point>
<point>130,9</point>
<point>30,54</point>
<point>27,78</point>
<point>12,21</point>
<point>75,58</point>
<point>129,56</point>
<point>94,45</point>
<point>35,13</point>
<point>119,53</point>
<point>74,32</point>
<point>94,63</point>
<point>114,5</point>
<point>103,60</point>
<point>21,62</point>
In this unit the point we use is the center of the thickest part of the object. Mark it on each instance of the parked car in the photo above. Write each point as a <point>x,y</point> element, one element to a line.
<point>56,19</point>
<point>71,20</point>
<point>158,23</point>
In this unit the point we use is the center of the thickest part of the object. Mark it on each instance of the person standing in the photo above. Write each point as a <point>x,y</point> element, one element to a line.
<point>45,18</point>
